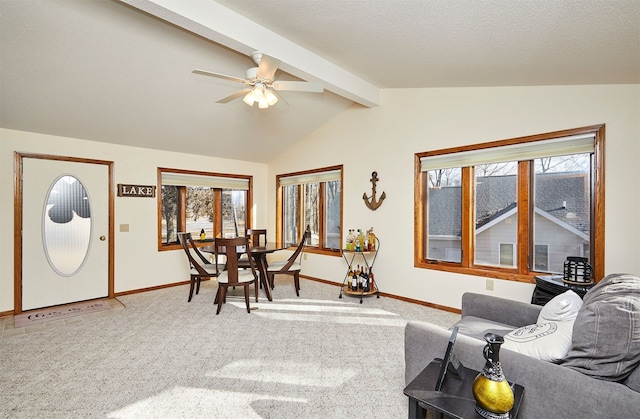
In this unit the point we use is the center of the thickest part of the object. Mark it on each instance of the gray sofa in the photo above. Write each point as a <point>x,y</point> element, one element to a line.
<point>551,389</point>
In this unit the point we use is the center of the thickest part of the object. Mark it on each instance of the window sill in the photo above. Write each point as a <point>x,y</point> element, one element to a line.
<point>326,252</point>
<point>485,273</point>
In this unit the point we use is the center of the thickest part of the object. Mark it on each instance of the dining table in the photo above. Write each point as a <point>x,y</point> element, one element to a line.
<point>259,254</point>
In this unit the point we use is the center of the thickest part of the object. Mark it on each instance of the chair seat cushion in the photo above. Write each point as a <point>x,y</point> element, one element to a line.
<point>243,276</point>
<point>276,266</point>
<point>209,267</point>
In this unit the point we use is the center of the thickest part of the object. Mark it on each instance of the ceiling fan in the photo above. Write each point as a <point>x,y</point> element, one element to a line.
<point>261,88</point>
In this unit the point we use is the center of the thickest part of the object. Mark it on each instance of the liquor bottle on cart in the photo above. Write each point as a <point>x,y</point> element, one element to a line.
<point>371,240</point>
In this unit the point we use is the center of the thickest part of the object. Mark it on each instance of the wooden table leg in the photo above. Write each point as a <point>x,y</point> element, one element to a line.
<point>261,262</point>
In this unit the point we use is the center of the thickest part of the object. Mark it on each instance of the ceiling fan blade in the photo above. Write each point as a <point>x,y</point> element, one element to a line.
<point>267,67</point>
<point>298,86</point>
<point>233,96</point>
<point>218,75</point>
<point>280,99</point>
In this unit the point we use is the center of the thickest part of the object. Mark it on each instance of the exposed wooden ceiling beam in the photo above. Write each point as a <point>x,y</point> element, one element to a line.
<point>232,30</point>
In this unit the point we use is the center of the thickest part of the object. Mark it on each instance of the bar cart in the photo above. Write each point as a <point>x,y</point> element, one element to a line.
<point>366,255</point>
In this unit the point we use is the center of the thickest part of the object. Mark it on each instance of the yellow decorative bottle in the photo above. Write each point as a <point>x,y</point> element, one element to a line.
<point>493,394</point>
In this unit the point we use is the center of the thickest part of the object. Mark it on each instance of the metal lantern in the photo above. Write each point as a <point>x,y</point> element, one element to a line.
<point>577,270</point>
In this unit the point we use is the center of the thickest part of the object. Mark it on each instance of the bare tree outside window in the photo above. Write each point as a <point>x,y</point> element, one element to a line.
<point>311,200</point>
<point>332,215</point>
<point>201,203</point>
<point>290,218</point>
<point>444,177</point>
<point>311,211</point>
<point>169,214</point>
<point>199,211</point>
<point>233,213</point>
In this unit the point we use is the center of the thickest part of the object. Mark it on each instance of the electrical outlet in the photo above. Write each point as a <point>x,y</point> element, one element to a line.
<point>490,284</point>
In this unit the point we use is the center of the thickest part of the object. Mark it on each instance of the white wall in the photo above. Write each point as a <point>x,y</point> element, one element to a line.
<point>138,264</point>
<point>385,139</point>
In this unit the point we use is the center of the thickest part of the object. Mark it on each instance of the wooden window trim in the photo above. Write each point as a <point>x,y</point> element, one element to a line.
<point>524,271</point>
<point>183,199</point>
<point>321,199</point>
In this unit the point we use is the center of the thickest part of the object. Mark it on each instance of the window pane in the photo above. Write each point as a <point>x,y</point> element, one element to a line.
<point>541,257</point>
<point>332,215</point>
<point>169,214</point>
<point>290,216</point>
<point>234,213</point>
<point>444,223</point>
<point>496,212</point>
<point>311,210</point>
<point>562,203</point>
<point>507,255</point>
<point>199,211</point>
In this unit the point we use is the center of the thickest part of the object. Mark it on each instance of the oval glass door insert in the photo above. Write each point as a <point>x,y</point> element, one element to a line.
<point>66,226</point>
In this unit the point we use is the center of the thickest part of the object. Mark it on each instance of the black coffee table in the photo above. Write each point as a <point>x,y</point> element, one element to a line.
<point>456,398</point>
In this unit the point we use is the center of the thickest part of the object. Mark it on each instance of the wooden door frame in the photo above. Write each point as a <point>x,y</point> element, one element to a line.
<point>17,219</point>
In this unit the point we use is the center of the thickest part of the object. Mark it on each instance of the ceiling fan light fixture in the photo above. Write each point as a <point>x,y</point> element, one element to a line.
<point>259,82</point>
<point>262,95</point>
<point>249,98</point>
<point>271,98</point>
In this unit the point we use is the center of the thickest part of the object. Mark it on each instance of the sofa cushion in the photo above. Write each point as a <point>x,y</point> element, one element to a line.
<point>549,339</point>
<point>633,380</point>
<point>606,333</point>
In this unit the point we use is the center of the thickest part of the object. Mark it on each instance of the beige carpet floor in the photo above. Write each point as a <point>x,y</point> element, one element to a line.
<point>313,356</point>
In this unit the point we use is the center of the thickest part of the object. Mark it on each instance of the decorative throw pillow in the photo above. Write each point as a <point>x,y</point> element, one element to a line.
<point>549,339</point>
<point>546,341</point>
<point>606,333</point>
<point>561,308</point>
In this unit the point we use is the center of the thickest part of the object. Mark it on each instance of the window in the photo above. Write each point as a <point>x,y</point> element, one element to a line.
<point>507,256</point>
<point>191,201</point>
<point>311,199</point>
<point>512,209</point>
<point>541,257</point>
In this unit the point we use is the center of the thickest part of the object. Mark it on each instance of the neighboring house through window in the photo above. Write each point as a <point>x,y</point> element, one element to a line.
<point>512,209</point>
<point>193,201</point>
<point>310,199</point>
<point>541,258</point>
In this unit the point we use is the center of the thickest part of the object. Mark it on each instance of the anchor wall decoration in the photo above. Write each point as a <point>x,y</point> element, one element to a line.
<point>372,203</point>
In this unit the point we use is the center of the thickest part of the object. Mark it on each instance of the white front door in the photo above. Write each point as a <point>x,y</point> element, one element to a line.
<point>65,232</point>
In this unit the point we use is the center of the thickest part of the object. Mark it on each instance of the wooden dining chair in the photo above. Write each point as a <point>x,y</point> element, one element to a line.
<point>291,266</point>
<point>200,267</point>
<point>234,276</point>
<point>257,237</point>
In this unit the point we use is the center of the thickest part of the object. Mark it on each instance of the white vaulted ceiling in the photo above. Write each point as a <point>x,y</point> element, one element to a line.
<point>120,71</point>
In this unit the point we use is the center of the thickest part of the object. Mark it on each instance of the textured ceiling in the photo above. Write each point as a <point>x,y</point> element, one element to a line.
<point>102,70</point>
<point>454,43</point>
